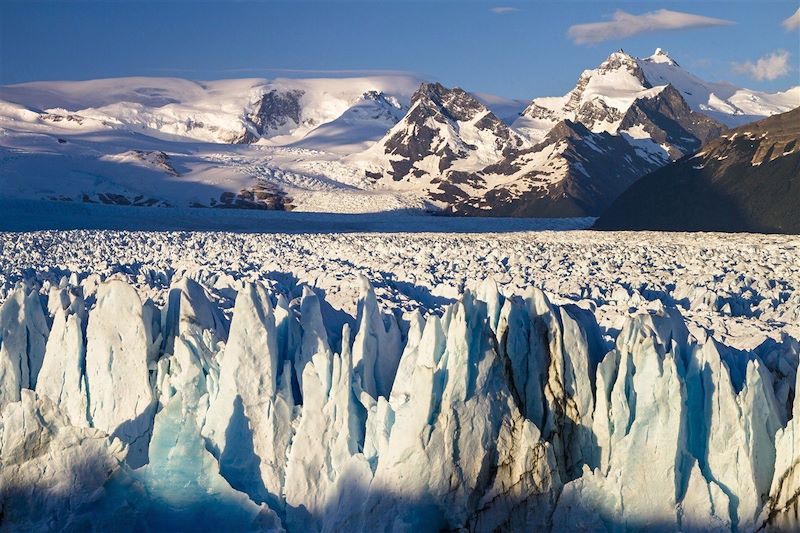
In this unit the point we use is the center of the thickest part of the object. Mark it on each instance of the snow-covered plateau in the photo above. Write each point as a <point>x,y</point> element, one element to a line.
<point>531,381</point>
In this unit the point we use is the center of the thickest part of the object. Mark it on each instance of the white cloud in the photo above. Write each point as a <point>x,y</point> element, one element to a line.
<point>503,10</point>
<point>769,67</point>
<point>793,22</point>
<point>624,24</point>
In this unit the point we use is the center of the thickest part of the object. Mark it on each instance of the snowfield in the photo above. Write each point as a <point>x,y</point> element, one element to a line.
<point>534,380</point>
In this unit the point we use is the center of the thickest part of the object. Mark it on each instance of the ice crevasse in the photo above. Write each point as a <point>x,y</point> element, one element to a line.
<point>504,412</point>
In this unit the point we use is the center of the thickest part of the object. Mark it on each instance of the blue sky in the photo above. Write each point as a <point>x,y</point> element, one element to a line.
<point>521,51</point>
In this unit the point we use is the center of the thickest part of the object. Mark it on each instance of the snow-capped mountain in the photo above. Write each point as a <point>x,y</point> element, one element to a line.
<point>598,101</point>
<point>614,127</point>
<point>572,172</point>
<point>746,180</point>
<point>445,131</point>
<point>722,101</point>
<point>619,98</point>
<point>582,149</point>
<point>225,111</point>
<point>358,126</point>
<point>361,144</point>
<point>94,141</point>
<point>603,95</point>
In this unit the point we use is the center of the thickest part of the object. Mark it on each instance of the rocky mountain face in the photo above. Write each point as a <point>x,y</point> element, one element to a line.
<point>589,106</point>
<point>444,131</point>
<point>610,130</point>
<point>576,172</point>
<point>572,172</point>
<point>600,98</point>
<point>618,98</point>
<point>746,180</point>
<point>669,122</point>
<point>275,110</point>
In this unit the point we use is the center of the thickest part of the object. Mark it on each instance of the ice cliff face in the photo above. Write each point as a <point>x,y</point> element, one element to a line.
<point>506,412</point>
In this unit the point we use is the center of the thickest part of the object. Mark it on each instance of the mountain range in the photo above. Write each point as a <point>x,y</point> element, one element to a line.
<point>364,144</point>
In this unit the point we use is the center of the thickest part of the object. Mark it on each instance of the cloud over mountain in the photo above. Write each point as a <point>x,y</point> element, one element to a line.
<point>624,24</point>
<point>768,67</point>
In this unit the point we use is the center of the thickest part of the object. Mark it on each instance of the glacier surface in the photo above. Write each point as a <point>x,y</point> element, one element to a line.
<point>267,382</point>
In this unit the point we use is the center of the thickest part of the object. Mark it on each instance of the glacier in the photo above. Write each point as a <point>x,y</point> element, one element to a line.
<point>500,411</point>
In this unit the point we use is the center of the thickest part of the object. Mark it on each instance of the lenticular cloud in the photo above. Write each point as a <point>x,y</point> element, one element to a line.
<point>624,24</point>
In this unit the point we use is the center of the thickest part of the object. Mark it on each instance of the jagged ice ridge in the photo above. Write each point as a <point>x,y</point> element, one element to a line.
<point>505,412</point>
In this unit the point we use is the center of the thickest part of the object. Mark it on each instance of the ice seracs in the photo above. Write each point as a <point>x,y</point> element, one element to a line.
<point>49,468</point>
<point>184,486</point>
<point>249,420</point>
<point>117,348</point>
<point>325,449</point>
<point>23,337</point>
<point>503,410</point>
<point>781,511</point>
<point>62,377</point>
<point>376,347</point>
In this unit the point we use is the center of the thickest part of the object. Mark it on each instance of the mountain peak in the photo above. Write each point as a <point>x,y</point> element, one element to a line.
<point>619,56</point>
<point>444,130</point>
<point>620,61</point>
<point>431,88</point>
<point>661,56</point>
<point>455,103</point>
<point>437,92</point>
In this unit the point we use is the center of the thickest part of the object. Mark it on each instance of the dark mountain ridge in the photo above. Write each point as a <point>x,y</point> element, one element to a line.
<point>747,180</point>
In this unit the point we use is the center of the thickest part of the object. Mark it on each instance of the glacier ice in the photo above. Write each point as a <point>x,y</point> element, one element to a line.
<point>62,377</point>
<point>326,444</point>
<point>249,420</point>
<point>23,336</point>
<point>503,412</point>
<point>183,485</point>
<point>782,510</point>
<point>117,348</point>
<point>48,467</point>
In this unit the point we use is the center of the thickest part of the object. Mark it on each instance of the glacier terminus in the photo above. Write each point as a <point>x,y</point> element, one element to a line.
<point>141,399</point>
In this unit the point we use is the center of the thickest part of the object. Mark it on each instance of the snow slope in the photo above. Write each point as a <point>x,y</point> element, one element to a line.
<point>210,111</point>
<point>722,101</point>
<point>650,386</point>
